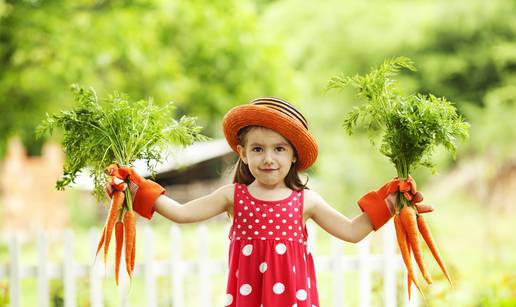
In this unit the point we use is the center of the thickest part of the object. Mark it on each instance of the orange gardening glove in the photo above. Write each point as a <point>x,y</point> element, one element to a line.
<point>144,191</point>
<point>374,203</point>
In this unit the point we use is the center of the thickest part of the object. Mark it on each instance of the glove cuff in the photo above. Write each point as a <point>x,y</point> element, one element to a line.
<point>376,209</point>
<point>148,192</point>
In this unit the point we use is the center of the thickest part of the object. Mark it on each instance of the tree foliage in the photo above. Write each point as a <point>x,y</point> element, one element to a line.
<point>194,53</point>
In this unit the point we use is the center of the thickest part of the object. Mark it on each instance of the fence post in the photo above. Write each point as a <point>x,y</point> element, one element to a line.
<point>177,267</point>
<point>390,265</point>
<point>14,271</point>
<point>364,271</point>
<point>94,271</point>
<point>150,281</point>
<point>338,272</point>
<point>43,295</point>
<point>69,270</point>
<point>204,268</point>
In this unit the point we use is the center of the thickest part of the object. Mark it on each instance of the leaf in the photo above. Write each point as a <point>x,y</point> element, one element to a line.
<point>411,126</point>
<point>98,133</point>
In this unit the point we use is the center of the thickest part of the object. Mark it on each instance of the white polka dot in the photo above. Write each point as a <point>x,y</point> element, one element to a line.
<point>249,238</point>
<point>295,234</point>
<point>295,209</point>
<point>251,214</point>
<point>301,295</point>
<point>277,239</point>
<point>243,232</point>
<point>229,299</point>
<point>239,226</point>
<point>239,213</point>
<point>277,215</point>
<point>250,226</point>
<point>264,215</point>
<point>295,198</point>
<point>247,250</point>
<point>263,267</point>
<point>252,203</point>
<point>270,233</point>
<point>271,221</point>
<point>290,215</point>
<point>284,209</point>
<point>290,239</point>
<point>271,209</point>
<point>241,201</point>
<point>277,227</point>
<point>256,232</point>
<point>257,221</point>
<point>245,220</point>
<point>284,221</point>
<point>263,238</point>
<point>278,288</point>
<point>295,305</point>
<point>257,209</point>
<point>290,203</point>
<point>263,227</point>
<point>289,227</point>
<point>295,221</point>
<point>246,289</point>
<point>245,208</point>
<point>281,248</point>
<point>284,233</point>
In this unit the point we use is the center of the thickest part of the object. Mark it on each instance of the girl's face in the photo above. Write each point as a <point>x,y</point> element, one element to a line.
<point>268,154</point>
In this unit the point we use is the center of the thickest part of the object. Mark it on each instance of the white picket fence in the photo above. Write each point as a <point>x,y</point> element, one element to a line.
<point>389,263</point>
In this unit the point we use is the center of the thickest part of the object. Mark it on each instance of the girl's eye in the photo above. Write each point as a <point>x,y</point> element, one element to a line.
<point>280,148</point>
<point>256,149</point>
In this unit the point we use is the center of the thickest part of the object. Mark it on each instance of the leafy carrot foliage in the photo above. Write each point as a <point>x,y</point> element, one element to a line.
<point>410,126</point>
<point>99,132</point>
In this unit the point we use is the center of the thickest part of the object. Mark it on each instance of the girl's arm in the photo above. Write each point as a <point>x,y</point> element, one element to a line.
<point>337,224</point>
<point>197,210</point>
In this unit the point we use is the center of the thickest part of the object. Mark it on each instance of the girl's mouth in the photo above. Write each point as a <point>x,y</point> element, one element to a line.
<point>268,169</point>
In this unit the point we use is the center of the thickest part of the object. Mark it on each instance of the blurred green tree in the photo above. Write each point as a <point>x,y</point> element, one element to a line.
<point>206,56</point>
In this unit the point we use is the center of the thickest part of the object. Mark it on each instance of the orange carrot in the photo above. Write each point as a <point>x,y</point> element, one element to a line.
<point>408,220</point>
<point>116,205</point>
<point>119,236</point>
<point>133,254</point>
<point>427,236</point>
<point>405,251</point>
<point>101,241</point>
<point>130,236</point>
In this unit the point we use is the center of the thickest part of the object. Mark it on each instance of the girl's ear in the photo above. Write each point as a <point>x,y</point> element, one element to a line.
<point>241,153</point>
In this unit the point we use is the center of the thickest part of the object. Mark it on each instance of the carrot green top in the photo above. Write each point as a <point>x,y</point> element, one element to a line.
<point>410,126</point>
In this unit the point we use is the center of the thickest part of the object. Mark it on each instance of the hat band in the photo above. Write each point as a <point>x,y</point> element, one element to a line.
<point>282,107</point>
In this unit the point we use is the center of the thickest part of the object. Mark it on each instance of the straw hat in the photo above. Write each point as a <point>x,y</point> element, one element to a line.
<point>278,115</point>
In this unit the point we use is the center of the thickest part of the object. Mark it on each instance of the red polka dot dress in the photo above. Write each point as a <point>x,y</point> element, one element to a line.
<point>269,264</point>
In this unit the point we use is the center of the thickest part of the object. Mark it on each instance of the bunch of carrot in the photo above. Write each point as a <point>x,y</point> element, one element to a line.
<point>408,222</point>
<point>122,219</point>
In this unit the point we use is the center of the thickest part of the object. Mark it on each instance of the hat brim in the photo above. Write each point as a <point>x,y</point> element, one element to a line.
<point>253,115</point>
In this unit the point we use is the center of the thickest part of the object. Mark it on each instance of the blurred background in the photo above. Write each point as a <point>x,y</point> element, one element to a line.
<point>208,56</point>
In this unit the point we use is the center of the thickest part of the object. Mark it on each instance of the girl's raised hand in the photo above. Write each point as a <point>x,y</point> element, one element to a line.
<point>144,191</point>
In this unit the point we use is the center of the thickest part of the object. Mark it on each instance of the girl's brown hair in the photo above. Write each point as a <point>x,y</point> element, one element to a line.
<point>243,174</point>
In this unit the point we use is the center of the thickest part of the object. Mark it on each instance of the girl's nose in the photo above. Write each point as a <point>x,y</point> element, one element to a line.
<point>268,157</point>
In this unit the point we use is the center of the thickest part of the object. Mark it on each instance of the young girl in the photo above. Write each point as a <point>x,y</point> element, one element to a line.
<point>269,264</point>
